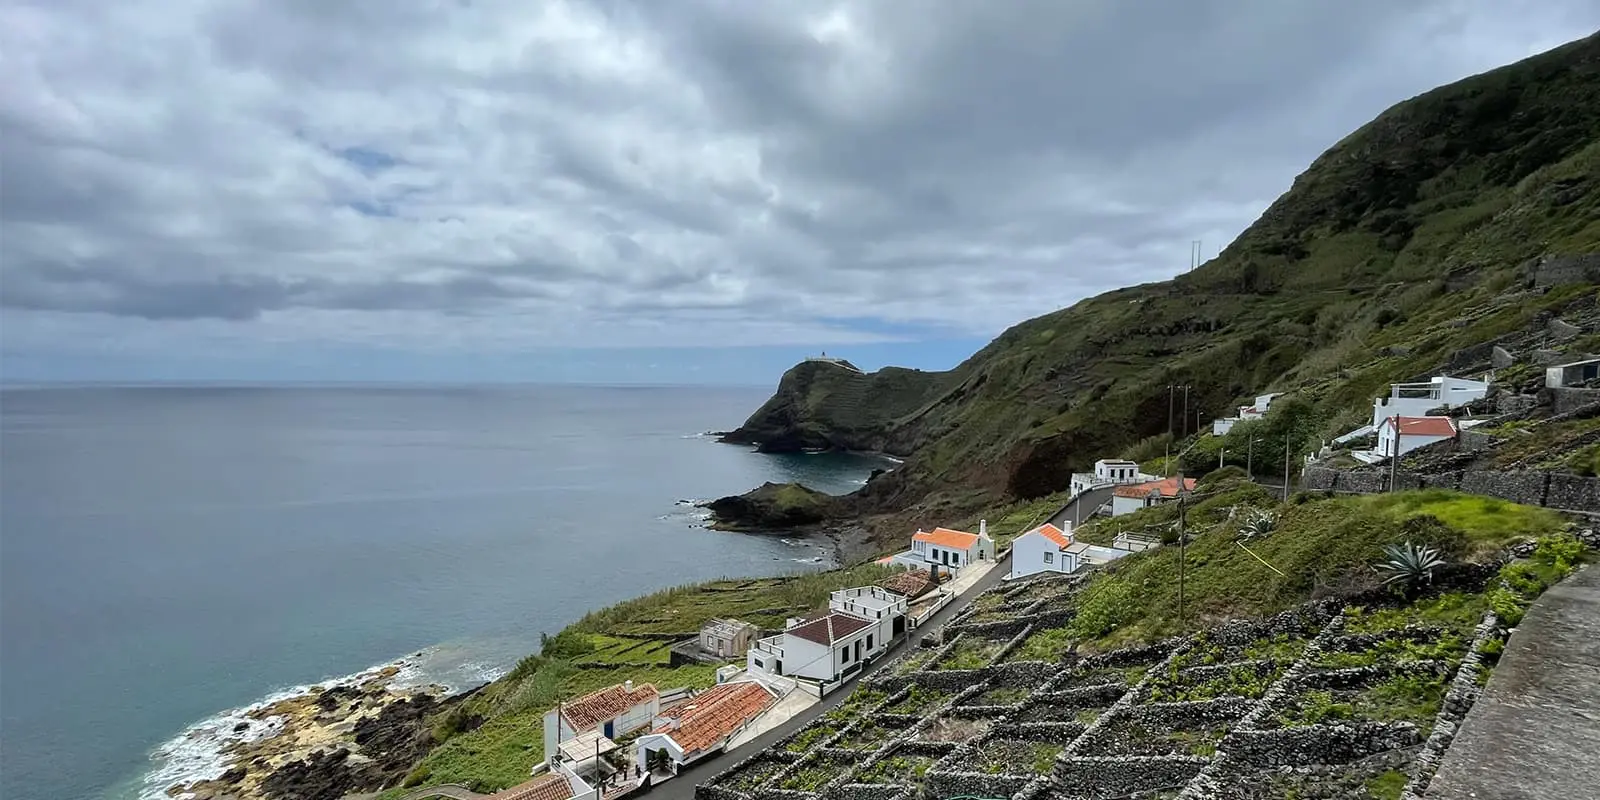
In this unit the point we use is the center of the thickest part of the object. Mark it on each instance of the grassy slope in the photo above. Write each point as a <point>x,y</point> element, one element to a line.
<point>1398,247</point>
<point>607,647</point>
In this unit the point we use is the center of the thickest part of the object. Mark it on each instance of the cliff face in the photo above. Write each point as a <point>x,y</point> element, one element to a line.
<point>1402,250</point>
<point>822,405</point>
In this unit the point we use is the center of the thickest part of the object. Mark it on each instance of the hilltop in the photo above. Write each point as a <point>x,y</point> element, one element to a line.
<point>1456,219</point>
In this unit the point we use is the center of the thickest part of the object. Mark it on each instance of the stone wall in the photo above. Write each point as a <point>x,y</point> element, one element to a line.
<point>1319,744</point>
<point>1529,487</point>
<point>1556,270</point>
<point>1117,776</point>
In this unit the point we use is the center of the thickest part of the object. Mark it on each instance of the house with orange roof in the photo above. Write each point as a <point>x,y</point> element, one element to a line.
<point>1401,435</point>
<point>946,548</point>
<point>1132,497</point>
<point>1048,548</point>
<point>607,713</point>
<point>561,785</point>
<point>700,727</point>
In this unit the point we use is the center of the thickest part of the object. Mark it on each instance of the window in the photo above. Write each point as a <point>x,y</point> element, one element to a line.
<point>1049,557</point>
<point>869,640</point>
<point>844,655</point>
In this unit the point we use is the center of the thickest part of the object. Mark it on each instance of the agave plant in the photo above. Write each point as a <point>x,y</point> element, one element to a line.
<point>1409,565</point>
<point>1257,526</point>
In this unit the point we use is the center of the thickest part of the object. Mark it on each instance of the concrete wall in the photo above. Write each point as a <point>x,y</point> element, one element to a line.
<point>1529,487</point>
<point>1028,552</point>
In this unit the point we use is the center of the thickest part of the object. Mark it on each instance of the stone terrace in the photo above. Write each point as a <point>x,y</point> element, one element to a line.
<point>1311,699</point>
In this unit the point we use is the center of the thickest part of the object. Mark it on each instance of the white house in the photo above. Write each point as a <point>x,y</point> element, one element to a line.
<point>1573,374</point>
<point>700,727</point>
<point>609,712</point>
<point>1043,549</point>
<point>1417,399</point>
<point>1413,432</point>
<point>1108,472</point>
<point>860,624</point>
<point>1256,410</point>
<point>559,783</point>
<point>1131,498</point>
<point>951,548</point>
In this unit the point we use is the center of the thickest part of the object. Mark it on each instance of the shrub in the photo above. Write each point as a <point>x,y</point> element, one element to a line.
<point>1409,565</point>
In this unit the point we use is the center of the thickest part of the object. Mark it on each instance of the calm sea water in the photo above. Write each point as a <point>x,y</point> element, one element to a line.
<point>167,554</point>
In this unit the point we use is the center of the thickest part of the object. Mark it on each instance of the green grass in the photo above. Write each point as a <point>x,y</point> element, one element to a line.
<point>625,650</point>
<point>1011,756</point>
<point>1321,547</point>
<point>970,653</point>
<point>1003,696</point>
<point>902,769</point>
<point>1050,644</point>
<point>811,737</point>
<point>1387,786</point>
<point>1486,521</point>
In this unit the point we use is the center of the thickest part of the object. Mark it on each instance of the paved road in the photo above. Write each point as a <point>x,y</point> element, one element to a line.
<point>1535,731</point>
<point>1081,506</point>
<point>682,787</point>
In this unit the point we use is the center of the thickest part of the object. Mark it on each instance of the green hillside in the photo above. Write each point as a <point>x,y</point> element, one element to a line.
<point>1402,250</point>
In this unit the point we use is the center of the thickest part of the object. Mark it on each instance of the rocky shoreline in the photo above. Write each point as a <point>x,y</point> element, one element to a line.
<point>326,742</point>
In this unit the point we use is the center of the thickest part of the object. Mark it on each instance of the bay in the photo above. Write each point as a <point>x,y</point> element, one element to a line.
<point>168,553</point>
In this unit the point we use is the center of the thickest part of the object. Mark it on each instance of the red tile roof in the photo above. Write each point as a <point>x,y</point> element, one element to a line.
<point>553,786</point>
<point>828,628</point>
<point>1054,534</point>
<point>1424,426</point>
<point>944,537</point>
<point>708,719</point>
<point>911,583</point>
<point>592,709</point>
<point>1166,487</point>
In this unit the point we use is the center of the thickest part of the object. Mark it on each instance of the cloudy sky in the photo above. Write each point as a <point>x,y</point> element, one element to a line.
<point>652,190</point>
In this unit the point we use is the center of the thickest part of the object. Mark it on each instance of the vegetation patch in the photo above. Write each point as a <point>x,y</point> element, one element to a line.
<point>1398,698</point>
<point>746,778</point>
<point>813,735</point>
<point>971,652</point>
<point>867,736</point>
<point>918,702</point>
<point>907,770</point>
<point>1050,644</point>
<point>1016,757</point>
<point>1002,696</point>
<point>814,774</point>
<point>1128,737</point>
<point>1244,680</point>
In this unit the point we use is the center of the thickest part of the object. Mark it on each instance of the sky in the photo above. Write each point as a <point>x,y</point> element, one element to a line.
<point>655,191</point>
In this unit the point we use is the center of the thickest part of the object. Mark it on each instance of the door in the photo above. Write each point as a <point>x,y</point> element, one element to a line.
<point>610,728</point>
<point>899,625</point>
<point>858,650</point>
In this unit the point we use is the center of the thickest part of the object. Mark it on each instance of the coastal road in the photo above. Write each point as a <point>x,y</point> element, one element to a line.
<point>1081,507</point>
<point>682,787</point>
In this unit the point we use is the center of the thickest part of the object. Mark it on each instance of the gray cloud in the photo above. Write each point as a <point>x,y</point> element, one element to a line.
<point>624,172</point>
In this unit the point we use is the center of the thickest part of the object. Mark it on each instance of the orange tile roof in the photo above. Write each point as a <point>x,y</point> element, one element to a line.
<point>1166,487</point>
<point>1054,534</point>
<point>829,628</point>
<point>708,719</point>
<point>592,709</point>
<point>553,786</point>
<point>944,537</point>
<point>1424,426</point>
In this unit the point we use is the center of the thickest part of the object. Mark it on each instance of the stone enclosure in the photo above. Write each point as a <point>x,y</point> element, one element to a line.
<point>1319,701</point>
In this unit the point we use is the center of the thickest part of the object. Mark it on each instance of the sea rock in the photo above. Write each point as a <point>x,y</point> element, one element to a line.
<point>771,507</point>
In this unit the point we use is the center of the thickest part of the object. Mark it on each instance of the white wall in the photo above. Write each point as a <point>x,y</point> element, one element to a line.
<point>1408,442</point>
<point>1125,505</point>
<point>556,731</point>
<point>806,659</point>
<point>1028,552</point>
<point>1220,427</point>
<point>655,741</point>
<point>636,717</point>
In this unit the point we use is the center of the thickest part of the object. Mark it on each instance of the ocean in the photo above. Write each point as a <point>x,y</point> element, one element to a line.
<point>168,554</point>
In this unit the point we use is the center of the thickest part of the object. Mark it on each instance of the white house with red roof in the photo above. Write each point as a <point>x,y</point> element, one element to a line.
<point>859,625</point>
<point>1410,433</point>
<point>700,727</point>
<point>1048,548</point>
<point>1132,497</point>
<point>1107,472</point>
<point>607,713</point>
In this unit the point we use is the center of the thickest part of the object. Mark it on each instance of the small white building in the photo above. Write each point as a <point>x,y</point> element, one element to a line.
<point>1108,472</point>
<point>609,712</point>
<point>1411,433</point>
<point>1565,375</point>
<point>1417,399</point>
<point>1043,549</point>
<point>1128,499</point>
<point>701,726</point>
<point>1256,410</point>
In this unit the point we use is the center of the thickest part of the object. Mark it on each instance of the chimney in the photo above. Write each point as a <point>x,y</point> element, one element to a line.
<point>983,527</point>
<point>627,686</point>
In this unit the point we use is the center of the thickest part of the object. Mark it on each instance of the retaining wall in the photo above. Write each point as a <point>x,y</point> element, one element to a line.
<point>1529,487</point>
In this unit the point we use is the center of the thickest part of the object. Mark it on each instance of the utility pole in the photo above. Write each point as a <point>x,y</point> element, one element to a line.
<point>1221,454</point>
<point>1249,457</point>
<point>1394,456</point>
<point>1285,466</point>
<point>1170,388</point>
<point>1186,410</point>
<point>1183,544</point>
